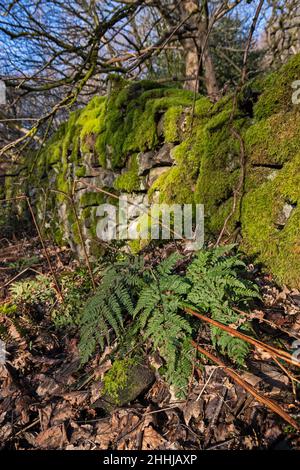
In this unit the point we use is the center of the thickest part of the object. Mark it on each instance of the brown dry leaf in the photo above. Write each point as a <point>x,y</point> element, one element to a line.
<point>47,385</point>
<point>61,413</point>
<point>159,393</point>
<point>75,398</point>
<point>96,391</point>
<point>14,333</point>
<point>129,428</point>
<point>82,433</point>
<point>29,437</point>
<point>261,354</point>
<point>152,440</point>
<point>224,431</point>
<point>249,442</point>
<point>5,432</point>
<point>100,370</point>
<point>22,407</point>
<point>251,378</point>
<point>52,438</point>
<point>85,446</point>
<point>192,410</point>
<point>104,434</point>
<point>45,415</point>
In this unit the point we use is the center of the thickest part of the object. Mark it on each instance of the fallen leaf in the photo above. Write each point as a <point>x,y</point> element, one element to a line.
<point>61,413</point>
<point>52,438</point>
<point>75,398</point>
<point>192,410</point>
<point>152,440</point>
<point>47,385</point>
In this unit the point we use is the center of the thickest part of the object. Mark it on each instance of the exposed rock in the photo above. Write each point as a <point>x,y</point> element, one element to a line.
<point>101,178</point>
<point>145,162</point>
<point>284,215</point>
<point>153,158</point>
<point>155,173</point>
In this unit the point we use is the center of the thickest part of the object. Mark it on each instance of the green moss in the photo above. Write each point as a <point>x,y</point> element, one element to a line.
<point>8,309</point>
<point>116,379</point>
<point>275,139</point>
<point>173,187</point>
<point>277,90</point>
<point>131,119</point>
<point>203,107</point>
<point>219,170</point>
<point>129,181</point>
<point>91,199</point>
<point>135,246</point>
<point>178,184</point>
<point>277,247</point>
<point>80,172</point>
<point>171,118</point>
<point>91,121</point>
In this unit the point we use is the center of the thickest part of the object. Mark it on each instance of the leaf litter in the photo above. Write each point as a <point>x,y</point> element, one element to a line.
<point>46,397</point>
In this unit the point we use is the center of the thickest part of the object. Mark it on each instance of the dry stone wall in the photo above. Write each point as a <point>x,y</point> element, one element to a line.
<point>143,141</point>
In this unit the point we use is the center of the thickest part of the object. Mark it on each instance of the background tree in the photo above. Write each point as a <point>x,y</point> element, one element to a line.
<point>282,31</point>
<point>56,54</point>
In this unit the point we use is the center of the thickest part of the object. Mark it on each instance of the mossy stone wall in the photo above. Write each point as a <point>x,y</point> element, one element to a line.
<point>107,144</point>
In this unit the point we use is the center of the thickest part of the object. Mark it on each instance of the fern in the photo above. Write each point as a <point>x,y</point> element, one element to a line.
<point>152,301</point>
<point>105,309</point>
<point>159,316</point>
<point>216,287</point>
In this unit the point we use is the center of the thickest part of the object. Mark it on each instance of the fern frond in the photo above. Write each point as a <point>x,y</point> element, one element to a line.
<point>108,306</point>
<point>216,286</point>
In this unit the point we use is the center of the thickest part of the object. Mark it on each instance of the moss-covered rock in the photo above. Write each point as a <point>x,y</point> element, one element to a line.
<point>123,383</point>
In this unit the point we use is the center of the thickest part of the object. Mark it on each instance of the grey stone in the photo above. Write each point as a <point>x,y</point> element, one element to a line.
<point>146,161</point>
<point>155,173</point>
<point>284,214</point>
<point>101,178</point>
<point>153,159</point>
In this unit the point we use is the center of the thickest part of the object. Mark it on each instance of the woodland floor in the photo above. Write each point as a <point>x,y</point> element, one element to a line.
<point>46,399</point>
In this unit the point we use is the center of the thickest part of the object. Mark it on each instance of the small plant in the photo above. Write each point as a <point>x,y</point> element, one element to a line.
<point>40,292</point>
<point>33,291</point>
<point>76,287</point>
<point>152,301</point>
<point>8,309</point>
<point>24,262</point>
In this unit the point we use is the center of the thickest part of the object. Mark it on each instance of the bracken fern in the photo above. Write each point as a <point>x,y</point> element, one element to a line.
<point>106,308</point>
<point>217,286</point>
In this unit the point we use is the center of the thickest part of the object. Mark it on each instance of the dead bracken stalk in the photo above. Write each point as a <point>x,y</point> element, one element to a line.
<point>246,386</point>
<point>258,344</point>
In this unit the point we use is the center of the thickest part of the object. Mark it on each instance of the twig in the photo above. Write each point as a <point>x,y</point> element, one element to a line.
<point>18,275</point>
<point>206,383</point>
<point>268,322</point>
<point>260,398</point>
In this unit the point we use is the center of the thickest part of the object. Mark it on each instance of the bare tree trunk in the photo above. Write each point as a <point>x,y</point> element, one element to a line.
<point>191,64</point>
<point>194,47</point>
